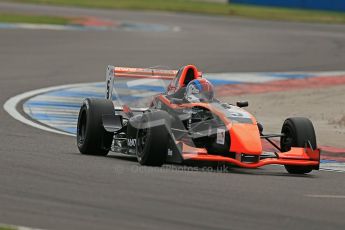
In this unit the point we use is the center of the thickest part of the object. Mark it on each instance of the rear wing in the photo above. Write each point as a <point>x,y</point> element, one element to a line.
<point>144,73</point>
<point>125,72</point>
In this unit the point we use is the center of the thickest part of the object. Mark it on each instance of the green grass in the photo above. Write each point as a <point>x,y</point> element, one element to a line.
<point>35,19</point>
<point>7,228</point>
<point>190,6</point>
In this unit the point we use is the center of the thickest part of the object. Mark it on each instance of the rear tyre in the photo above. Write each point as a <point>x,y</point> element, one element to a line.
<point>92,138</point>
<point>298,132</point>
<point>153,138</point>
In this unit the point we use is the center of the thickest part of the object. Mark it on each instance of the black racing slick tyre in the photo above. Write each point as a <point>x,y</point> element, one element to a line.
<point>298,132</point>
<point>92,138</point>
<point>153,138</point>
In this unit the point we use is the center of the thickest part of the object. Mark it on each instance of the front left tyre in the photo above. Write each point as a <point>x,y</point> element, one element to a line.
<point>92,138</point>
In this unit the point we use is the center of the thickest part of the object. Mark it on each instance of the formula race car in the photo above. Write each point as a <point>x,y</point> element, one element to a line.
<point>186,123</point>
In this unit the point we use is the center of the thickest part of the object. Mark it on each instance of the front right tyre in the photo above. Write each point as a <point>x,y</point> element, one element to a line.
<point>298,132</point>
<point>153,138</point>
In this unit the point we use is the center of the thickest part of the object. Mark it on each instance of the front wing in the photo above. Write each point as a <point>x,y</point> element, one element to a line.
<point>296,157</point>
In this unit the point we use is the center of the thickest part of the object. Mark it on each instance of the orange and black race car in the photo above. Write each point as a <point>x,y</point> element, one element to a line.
<point>186,124</point>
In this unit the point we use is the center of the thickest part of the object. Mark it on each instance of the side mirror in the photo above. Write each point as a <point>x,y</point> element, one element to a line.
<point>260,127</point>
<point>242,104</point>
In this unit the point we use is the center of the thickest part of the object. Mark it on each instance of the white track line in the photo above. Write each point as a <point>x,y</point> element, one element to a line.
<point>329,168</point>
<point>326,196</point>
<point>122,26</point>
<point>11,104</point>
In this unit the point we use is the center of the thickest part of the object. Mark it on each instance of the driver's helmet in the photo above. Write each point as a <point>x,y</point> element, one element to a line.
<point>199,90</point>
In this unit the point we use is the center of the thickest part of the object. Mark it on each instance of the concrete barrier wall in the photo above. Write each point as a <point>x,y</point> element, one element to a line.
<point>333,5</point>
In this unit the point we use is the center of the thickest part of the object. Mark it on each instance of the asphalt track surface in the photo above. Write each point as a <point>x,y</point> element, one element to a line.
<point>46,183</point>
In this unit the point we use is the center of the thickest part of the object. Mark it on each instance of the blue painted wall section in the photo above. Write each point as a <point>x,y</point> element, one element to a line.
<point>332,5</point>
